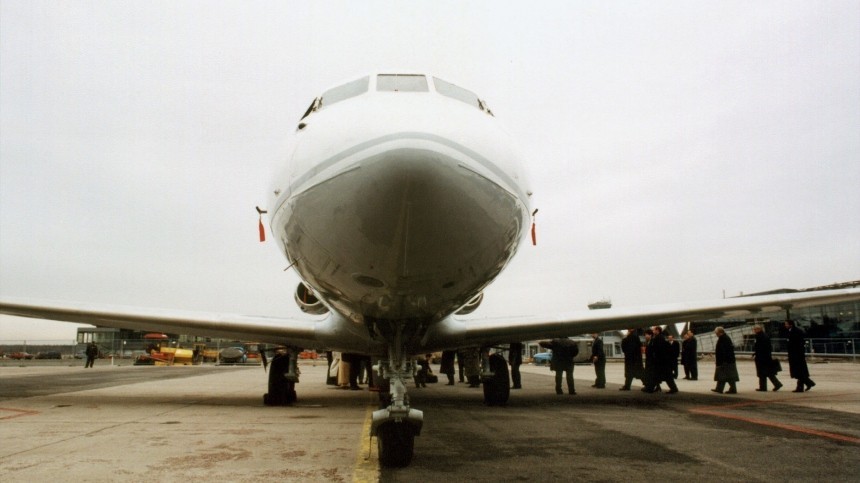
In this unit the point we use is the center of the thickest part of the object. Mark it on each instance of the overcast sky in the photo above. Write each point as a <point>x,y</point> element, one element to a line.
<point>676,149</point>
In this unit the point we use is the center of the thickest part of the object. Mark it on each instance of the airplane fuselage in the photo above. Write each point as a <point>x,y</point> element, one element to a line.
<point>400,204</point>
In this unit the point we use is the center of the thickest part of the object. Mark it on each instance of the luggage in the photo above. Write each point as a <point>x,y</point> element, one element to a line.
<point>775,366</point>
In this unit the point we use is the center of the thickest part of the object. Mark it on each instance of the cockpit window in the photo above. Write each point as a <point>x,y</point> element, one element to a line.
<point>401,83</point>
<point>340,93</point>
<point>456,92</point>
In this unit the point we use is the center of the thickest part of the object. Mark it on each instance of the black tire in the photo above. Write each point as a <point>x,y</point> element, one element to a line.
<point>497,390</point>
<point>395,443</point>
<point>281,391</point>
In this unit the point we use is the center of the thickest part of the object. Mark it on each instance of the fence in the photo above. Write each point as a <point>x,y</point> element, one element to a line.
<point>814,347</point>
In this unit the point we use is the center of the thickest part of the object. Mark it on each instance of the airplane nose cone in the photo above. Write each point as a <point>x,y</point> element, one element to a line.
<point>425,224</point>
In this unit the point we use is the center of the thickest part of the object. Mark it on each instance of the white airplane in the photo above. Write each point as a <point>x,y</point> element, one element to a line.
<point>403,200</point>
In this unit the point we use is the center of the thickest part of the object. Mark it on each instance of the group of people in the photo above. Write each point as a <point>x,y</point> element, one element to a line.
<point>347,371</point>
<point>468,366</point>
<point>658,365</point>
<point>765,365</point>
<point>661,360</point>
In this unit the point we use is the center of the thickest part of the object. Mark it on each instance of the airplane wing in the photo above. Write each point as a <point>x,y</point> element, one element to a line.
<point>451,332</point>
<point>461,332</point>
<point>274,330</point>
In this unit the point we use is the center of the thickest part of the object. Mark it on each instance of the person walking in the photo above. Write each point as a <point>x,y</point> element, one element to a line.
<point>797,357</point>
<point>598,358</point>
<point>664,356</point>
<point>472,365</point>
<point>689,358</point>
<point>515,359</point>
<point>422,363</point>
<point>651,382</point>
<point>631,346</point>
<point>461,363</point>
<point>564,351</point>
<point>91,352</point>
<point>726,370</point>
<point>447,365</point>
<point>674,352</point>
<point>764,363</point>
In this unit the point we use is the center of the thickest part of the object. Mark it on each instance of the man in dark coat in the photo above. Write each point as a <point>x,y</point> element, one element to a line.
<point>689,358</point>
<point>727,369</point>
<point>763,356</point>
<point>461,363</point>
<point>797,357</point>
<point>447,365</point>
<point>92,352</point>
<point>663,355</point>
<point>598,357</point>
<point>652,383</point>
<point>675,351</point>
<point>515,359</point>
<point>563,352</point>
<point>632,348</point>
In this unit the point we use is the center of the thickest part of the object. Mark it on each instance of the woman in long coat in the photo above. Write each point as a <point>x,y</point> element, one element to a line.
<point>727,370</point>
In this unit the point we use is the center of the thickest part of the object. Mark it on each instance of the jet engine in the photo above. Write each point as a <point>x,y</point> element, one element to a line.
<point>471,305</point>
<point>308,301</point>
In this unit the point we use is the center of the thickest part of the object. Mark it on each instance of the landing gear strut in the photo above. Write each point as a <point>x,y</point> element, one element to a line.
<point>396,426</point>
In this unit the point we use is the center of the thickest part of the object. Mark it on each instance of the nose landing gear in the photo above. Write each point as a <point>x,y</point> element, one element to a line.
<point>396,426</point>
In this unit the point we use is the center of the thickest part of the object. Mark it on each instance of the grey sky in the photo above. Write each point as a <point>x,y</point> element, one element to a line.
<point>676,149</point>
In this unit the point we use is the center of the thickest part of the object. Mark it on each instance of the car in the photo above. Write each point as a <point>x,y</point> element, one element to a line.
<point>49,355</point>
<point>232,355</point>
<point>542,358</point>
<point>20,355</point>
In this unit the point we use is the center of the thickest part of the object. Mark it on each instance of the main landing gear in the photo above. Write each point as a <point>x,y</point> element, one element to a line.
<point>283,378</point>
<point>496,379</point>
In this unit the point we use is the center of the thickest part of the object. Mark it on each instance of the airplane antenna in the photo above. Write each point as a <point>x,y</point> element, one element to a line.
<point>260,212</point>
<point>534,232</point>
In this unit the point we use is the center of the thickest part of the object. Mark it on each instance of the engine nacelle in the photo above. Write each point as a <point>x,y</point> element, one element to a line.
<point>471,305</point>
<point>308,301</point>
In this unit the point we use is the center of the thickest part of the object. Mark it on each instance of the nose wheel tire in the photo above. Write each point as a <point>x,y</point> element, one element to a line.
<point>395,443</point>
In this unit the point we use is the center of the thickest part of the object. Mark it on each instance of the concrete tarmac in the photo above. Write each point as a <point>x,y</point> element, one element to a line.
<point>139,423</point>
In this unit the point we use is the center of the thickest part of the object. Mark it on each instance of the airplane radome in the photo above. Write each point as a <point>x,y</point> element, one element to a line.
<point>402,200</point>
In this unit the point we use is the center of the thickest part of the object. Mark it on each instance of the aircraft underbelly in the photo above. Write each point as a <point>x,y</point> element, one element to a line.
<point>408,233</point>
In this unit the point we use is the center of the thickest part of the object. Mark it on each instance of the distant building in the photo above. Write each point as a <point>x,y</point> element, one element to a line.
<point>129,343</point>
